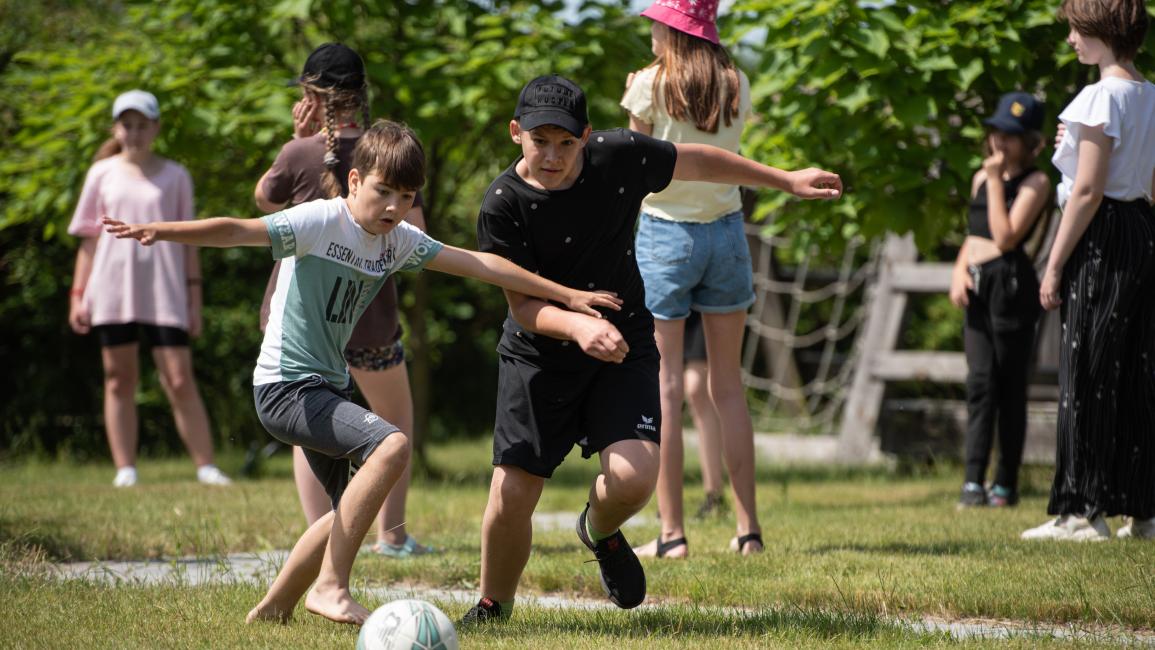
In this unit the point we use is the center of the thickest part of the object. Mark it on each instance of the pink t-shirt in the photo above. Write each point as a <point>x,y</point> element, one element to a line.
<point>131,283</point>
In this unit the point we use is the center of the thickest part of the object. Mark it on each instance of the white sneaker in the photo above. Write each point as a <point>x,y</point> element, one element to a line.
<point>212,475</point>
<point>1137,528</point>
<point>1071,528</point>
<point>125,477</point>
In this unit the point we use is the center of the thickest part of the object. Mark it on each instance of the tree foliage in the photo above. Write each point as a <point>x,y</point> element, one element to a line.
<point>892,98</point>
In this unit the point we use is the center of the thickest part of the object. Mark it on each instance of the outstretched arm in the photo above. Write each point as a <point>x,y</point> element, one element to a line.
<point>506,274</point>
<point>219,232</point>
<point>703,162</point>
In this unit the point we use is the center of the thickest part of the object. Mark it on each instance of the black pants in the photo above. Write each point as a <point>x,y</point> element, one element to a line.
<point>1105,460</point>
<point>999,338</point>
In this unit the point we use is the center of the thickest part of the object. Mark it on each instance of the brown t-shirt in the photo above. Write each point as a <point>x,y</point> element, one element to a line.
<point>295,178</point>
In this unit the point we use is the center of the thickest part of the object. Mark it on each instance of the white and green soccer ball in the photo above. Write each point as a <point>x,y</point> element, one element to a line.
<point>407,625</point>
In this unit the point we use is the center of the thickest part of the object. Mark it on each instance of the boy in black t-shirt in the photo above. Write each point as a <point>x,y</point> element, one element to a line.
<point>567,209</point>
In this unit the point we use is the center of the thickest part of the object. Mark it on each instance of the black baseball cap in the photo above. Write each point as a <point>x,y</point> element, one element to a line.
<point>333,65</point>
<point>1017,112</point>
<point>554,100</point>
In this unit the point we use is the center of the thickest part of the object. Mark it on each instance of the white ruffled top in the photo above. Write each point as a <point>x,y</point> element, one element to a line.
<point>1126,111</point>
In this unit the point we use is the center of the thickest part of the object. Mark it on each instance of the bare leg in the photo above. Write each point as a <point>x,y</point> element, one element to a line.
<point>359,505</point>
<point>300,570</point>
<point>669,336</point>
<point>174,365</point>
<point>389,396</point>
<point>315,501</point>
<point>723,354</point>
<point>121,374</point>
<point>630,469</point>
<point>507,530</point>
<point>706,422</point>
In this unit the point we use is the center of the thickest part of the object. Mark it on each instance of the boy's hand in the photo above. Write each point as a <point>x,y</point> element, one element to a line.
<point>583,302</point>
<point>815,184</point>
<point>960,283</point>
<point>306,122</point>
<point>122,230</point>
<point>994,165</point>
<point>601,340</point>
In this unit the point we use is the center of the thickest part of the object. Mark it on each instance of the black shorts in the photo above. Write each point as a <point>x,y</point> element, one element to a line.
<point>542,414</point>
<point>153,335</point>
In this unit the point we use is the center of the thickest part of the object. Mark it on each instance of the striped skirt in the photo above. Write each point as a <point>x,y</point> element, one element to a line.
<point>1105,460</point>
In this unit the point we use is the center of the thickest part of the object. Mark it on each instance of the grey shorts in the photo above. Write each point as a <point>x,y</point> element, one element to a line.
<point>336,434</point>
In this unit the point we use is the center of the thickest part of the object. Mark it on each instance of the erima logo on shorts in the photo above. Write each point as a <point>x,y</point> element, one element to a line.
<point>647,424</point>
<point>370,418</point>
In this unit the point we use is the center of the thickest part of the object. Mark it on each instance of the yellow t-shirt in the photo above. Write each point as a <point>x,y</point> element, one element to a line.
<point>687,200</point>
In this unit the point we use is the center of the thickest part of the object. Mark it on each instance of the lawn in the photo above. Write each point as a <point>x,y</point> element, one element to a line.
<point>848,553</point>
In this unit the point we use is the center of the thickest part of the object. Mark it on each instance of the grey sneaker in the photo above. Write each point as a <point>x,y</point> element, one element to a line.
<point>972,495</point>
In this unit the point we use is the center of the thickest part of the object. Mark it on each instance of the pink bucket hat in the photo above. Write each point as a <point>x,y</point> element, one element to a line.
<point>694,17</point>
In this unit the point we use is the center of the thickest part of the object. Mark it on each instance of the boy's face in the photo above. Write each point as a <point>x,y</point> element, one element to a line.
<point>552,154</point>
<point>377,207</point>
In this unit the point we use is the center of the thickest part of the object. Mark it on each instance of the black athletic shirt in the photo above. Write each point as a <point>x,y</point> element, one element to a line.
<point>581,237</point>
<point>977,220</point>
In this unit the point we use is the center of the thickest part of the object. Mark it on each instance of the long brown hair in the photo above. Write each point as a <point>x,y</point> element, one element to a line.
<point>701,81</point>
<point>336,101</point>
<point>393,152</point>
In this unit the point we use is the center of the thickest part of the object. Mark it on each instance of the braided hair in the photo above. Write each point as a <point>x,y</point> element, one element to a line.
<point>336,101</point>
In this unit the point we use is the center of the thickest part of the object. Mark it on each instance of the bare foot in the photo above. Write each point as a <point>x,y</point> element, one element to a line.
<point>337,606</point>
<point>266,612</point>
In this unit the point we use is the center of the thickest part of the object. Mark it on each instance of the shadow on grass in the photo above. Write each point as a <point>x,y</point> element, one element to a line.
<point>17,546</point>
<point>690,621</point>
<point>902,548</point>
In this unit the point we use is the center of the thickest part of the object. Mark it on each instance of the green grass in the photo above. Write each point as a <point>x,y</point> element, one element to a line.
<point>847,552</point>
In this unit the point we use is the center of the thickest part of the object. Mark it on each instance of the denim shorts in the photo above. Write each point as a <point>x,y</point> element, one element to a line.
<point>699,266</point>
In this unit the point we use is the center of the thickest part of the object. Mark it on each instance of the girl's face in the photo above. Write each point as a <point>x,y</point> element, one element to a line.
<point>135,132</point>
<point>377,207</point>
<point>658,37</point>
<point>1010,145</point>
<point>1090,50</point>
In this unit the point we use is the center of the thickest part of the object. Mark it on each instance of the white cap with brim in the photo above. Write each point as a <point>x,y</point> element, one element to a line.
<point>136,100</point>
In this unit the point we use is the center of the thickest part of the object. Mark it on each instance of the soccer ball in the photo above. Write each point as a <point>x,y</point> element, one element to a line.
<point>408,624</point>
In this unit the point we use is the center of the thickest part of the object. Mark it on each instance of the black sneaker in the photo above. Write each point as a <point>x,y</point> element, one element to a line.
<point>485,611</point>
<point>1002,497</point>
<point>623,578</point>
<point>972,495</point>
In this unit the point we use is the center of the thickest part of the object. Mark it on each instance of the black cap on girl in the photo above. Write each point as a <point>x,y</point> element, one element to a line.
<point>1018,112</point>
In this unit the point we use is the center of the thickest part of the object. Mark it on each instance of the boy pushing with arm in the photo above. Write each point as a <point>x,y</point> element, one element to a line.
<point>566,210</point>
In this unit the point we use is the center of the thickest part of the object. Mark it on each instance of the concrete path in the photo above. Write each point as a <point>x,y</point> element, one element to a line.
<point>259,568</point>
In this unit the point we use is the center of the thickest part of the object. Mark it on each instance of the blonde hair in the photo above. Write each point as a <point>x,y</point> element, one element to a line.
<point>701,82</point>
<point>337,101</point>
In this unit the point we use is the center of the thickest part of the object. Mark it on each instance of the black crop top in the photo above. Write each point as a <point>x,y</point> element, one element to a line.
<point>978,224</point>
